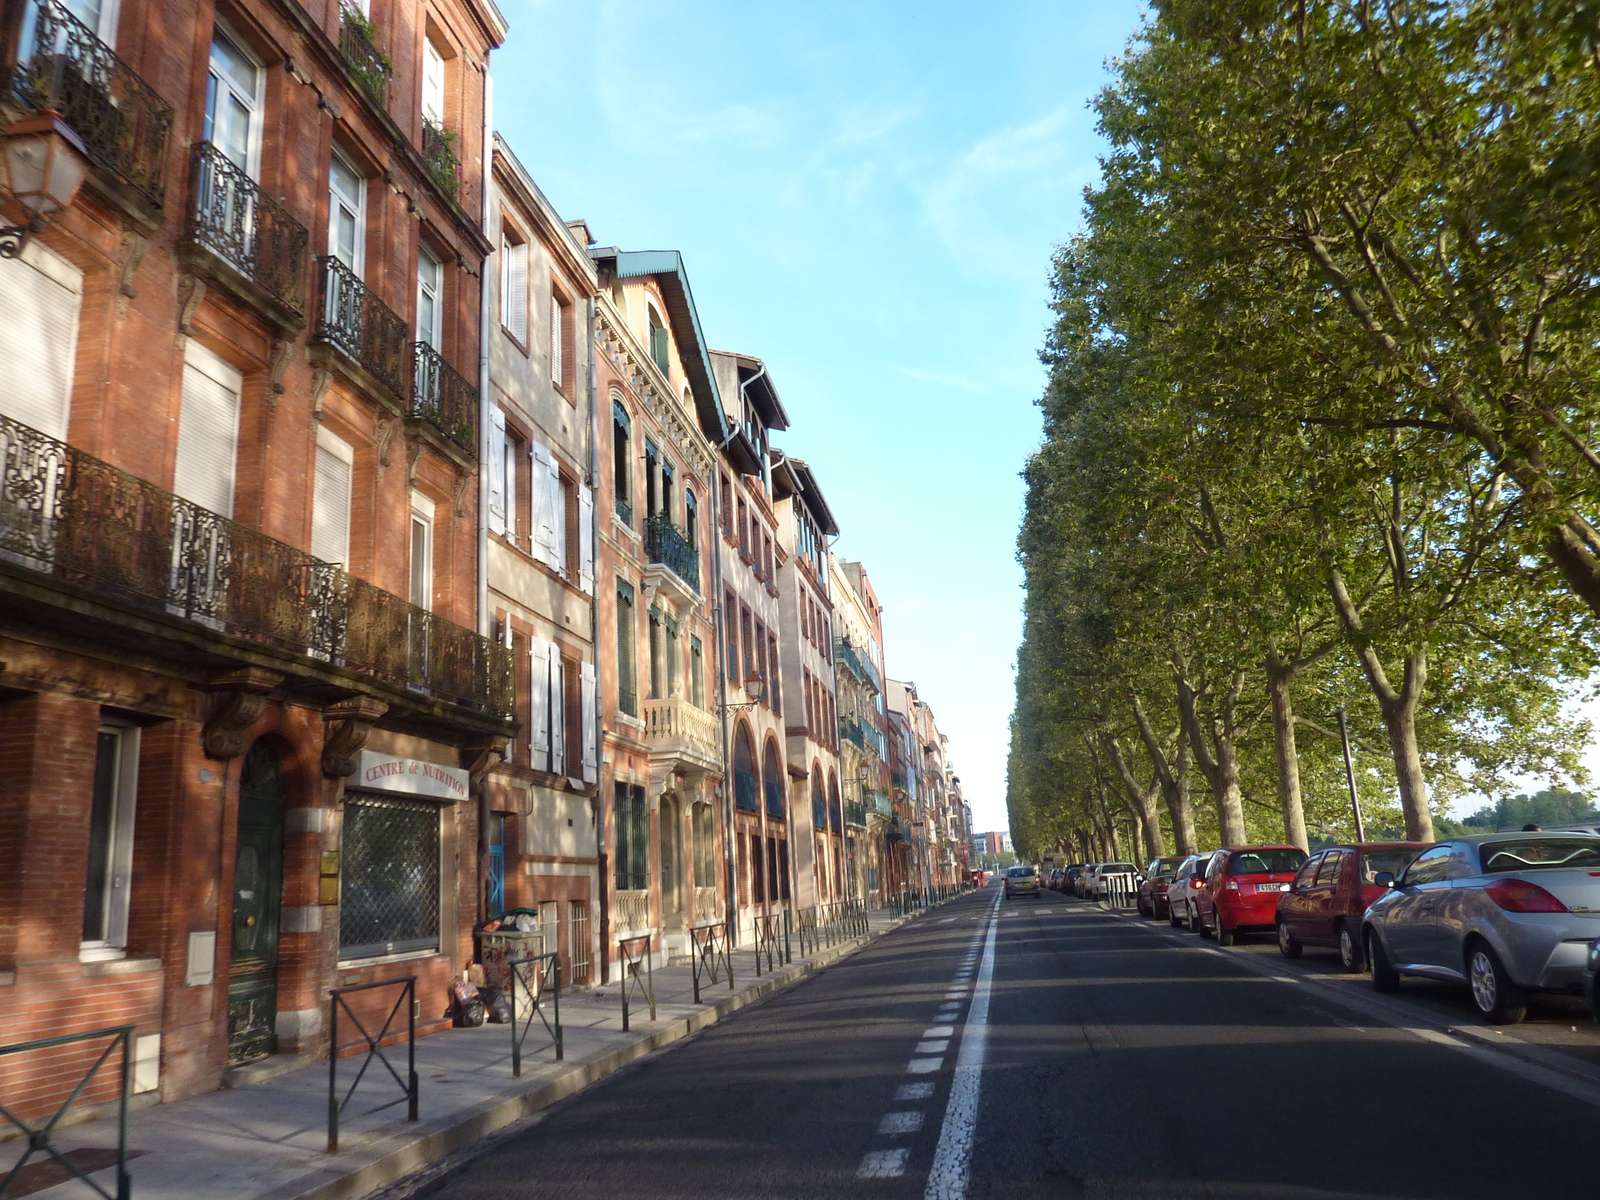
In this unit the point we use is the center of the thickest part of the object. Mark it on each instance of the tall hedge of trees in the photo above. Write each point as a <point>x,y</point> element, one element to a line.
<point>1320,430</point>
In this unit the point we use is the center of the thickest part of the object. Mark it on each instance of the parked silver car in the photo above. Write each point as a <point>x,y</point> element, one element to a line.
<point>1102,879</point>
<point>1504,913</point>
<point>1180,893</point>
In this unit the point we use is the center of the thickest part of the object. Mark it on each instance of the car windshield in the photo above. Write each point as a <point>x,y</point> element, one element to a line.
<point>1263,862</point>
<point>1166,866</point>
<point>1535,854</point>
<point>1113,868</point>
<point>1392,861</point>
<point>1020,872</point>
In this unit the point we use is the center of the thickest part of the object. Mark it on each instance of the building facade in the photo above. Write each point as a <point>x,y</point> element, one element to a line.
<point>863,717</point>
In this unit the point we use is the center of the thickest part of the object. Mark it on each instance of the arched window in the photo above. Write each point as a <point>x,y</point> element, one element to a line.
<point>691,517</point>
<point>745,784</point>
<point>836,814</point>
<point>772,767</point>
<point>621,461</point>
<point>819,798</point>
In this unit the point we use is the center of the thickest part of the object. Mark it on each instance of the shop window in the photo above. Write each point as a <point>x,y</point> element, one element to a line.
<point>108,879</point>
<point>389,899</point>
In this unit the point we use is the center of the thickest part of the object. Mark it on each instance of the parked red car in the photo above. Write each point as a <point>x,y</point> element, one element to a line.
<point>1153,890</point>
<point>1323,905</point>
<point>1242,887</point>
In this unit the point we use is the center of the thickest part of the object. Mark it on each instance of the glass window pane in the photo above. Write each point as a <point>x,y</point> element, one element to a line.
<point>102,831</point>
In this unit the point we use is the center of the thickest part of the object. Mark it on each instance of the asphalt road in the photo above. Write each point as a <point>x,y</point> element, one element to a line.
<point>1045,1048</point>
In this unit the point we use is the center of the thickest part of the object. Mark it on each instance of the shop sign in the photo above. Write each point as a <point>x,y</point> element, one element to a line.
<point>386,773</point>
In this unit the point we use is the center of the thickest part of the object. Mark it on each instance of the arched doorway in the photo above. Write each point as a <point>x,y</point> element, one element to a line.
<point>257,893</point>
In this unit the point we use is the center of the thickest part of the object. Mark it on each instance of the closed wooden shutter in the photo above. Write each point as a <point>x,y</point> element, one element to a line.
<point>539,703</point>
<point>549,511</point>
<point>497,470</point>
<point>590,767</point>
<point>40,294</point>
<point>514,310</point>
<point>586,539</point>
<point>330,501</point>
<point>557,341</point>
<point>208,430</point>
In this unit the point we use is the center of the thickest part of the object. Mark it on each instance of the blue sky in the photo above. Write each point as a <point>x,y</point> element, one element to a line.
<point>866,196</point>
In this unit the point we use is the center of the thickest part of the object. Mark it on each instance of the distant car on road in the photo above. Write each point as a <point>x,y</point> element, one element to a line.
<point>1242,887</point>
<point>1103,874</point>
<point>1323,905</point>
<point>1158,874</point>
<point>1186,883</point>
<point>1506,914</point>
<point>1085,880</point>
<point>1070,883</point>
<point>1022,881</point>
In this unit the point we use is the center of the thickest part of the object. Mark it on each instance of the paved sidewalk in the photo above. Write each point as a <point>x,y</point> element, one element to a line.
<point>268,1141</point>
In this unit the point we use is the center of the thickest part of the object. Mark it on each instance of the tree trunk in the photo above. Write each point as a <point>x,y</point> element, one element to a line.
<point>1221,766</point>
<point>1280,675</point>
<point>1141,800</point>
<point>1174,783</point>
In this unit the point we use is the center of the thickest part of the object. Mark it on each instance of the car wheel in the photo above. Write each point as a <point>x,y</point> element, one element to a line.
<point>1349,949</point>
<point>1498,999</point>
<point>1196,925</point>
<point>1384,977</point>
<point>1176,921</point>
<point>1287,946</point>
<point>1225,936</point>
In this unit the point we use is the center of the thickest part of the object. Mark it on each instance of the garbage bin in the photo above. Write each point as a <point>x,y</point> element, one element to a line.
<point>503,947</point>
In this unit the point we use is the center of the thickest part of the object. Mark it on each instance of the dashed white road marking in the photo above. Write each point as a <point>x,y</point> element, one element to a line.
<point>883,1164</point>
<point>933,1046</point>
<point>924,1066</point>
<point>914,1091</point>
<point>900,1122</point>
<point>943,1031</point>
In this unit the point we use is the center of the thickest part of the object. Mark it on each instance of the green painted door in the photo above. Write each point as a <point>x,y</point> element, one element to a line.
<point>257,892</point>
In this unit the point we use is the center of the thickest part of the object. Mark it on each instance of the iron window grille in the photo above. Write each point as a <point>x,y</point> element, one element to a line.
<point>389,902</point>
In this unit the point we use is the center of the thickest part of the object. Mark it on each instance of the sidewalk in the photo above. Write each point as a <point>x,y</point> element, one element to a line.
<point>268,1141</point>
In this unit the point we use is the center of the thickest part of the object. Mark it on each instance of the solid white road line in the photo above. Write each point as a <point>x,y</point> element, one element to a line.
<point>952,1161</point>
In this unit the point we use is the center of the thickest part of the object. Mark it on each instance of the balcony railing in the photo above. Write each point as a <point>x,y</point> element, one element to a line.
<point>439,153</point>
<point>232,217</point>
<point>121,120</point>
<point>66,514</point>
<point>678,727</point>
<point>366,329</point>
<point>856,663</point>
<point>367,63</point>
<point>666,544</point>
<point>855,814</point>
<point>444,399</point>
<point>630,910</point>
<point>877,802</point>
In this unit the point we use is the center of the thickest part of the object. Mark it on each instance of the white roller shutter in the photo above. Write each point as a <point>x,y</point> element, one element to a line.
<point>586,539</point>
<point>208,430</point>
<point>590,768</point>
<point>515,308</point>
<point>40,294</point>
<point>330,501</point>
<point>497,470</point>
<point>539,702</point>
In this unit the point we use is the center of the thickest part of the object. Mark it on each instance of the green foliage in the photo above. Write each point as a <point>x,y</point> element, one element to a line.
<point>1543,808</point>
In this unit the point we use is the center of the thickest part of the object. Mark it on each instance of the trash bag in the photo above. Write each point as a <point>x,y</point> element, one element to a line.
<point>466,1009</point>
<point>497,1004</point>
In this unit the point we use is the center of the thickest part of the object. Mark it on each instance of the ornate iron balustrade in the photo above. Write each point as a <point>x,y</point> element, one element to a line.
<point>370,65</point>
<point>362,326</point>
<point>439,153</point>
<point>123,123</point>
<point>444,399</point>
<point>666,544</point>
<point>69,515</point>
<point>855,813</point>
<point>857,664</point>
<point>232,217</point>
<point>878,802</point>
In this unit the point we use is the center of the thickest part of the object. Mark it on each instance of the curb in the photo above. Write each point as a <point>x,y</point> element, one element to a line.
<point>403,1154</point>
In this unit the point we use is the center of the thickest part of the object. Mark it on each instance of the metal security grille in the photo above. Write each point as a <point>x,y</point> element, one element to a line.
<point>390,897</point>
<point>578,940</point>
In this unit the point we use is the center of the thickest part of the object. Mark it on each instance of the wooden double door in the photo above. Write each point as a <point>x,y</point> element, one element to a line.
<point>257,897</point>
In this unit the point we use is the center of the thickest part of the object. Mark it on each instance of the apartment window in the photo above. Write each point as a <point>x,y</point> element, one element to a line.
<point>421,551</point>
<point>730,625</point>
<point>110,867</point>
<point>571,513</point>
<point>233,103</point>
<point>805,682</point>
<point>430,308</point>
<point>390,877</point>
<point>40,296</point>
<point>744,530</point>
<point>772,768</point>
<point>758,885</point>
<point>505,482</point>
<point>208,430</point>
<point>703,826</point>
<point>330,499</point>
<point>691,518</point>
<point>747,640</point>
<point>805,616</point>
<point>819,801</point>
<point>727,506</point>
<point>672,653</point>
<point>652,491</point>
<point>656,650</point>
<point>761,662</point>
<point>432,82</point>
<point>622,462</point>
<point>775,684</point>
<point>627,685</point>
<point>562,360</point>
<point>697,672</point>
<point>667,480</point>
<point>658,339</point>
<point>514,287</point>
<point>575,726</point>
<point>347,200</point>
<point>745,784</point>
<point>631,849</point>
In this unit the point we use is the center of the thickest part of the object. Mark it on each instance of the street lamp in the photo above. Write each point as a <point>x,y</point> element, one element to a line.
<point>42,165</point>
<point>754,687</point>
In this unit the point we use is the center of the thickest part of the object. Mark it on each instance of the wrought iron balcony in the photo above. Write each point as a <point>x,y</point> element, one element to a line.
<point>70,516</point>
<point>123,123</point>
<point>856,663</point>
<point>234,219</point>
<point>439,153</point>
<point>367,63</point>
<point>444,399</point>
<point>877,802</point>
<point>666,544</point>
<point>364,328</point>
<point>855,814</point>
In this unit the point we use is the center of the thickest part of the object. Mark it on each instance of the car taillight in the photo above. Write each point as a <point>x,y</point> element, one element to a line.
<point>1518,895</point>
<point>1233,885</point>
<point>1194,883</point>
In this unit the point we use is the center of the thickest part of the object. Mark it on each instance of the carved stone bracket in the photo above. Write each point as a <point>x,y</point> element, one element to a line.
<point>237,700</point>
<point>133,248</point>
<point>483,757</point>
<point>345,728</point>
<point>386,428</point>
<point>275,368</point>
<point>321,381</point>
<point>413,459</point>
<point>459,500</point>
<point>191,291</point>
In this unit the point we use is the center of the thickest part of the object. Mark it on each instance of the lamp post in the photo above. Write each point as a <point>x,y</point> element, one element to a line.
<point>754,687</point>
<point>42,165</point>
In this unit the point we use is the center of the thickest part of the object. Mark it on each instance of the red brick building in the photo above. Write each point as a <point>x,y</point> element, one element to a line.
<point>245,703</point>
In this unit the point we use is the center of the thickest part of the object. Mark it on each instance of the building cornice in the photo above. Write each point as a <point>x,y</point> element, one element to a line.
<point>650,388</point>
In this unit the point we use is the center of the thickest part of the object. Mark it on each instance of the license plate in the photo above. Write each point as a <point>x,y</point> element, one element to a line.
<point>1272,887</point>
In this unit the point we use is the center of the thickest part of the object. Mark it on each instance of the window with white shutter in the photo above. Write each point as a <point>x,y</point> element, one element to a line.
<point>330,499</point>
<point>586,539</point>
<point>208,430</point>
<point>558,713</point>
<point>40,294</point>
<point>548,523</point>
<point>514,288</point>
<point>497,470</point>
<point>590,768</point>
<point>558,338</point>
<point>539,703</point>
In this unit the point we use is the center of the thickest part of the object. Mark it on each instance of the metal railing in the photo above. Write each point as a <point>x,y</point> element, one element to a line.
<point>232,217</point>
<point>1120,889</point>
<point>442,397</point>
<point>769,941</point>
<point>66,514</point>
<point>121,120</point>
<point>409,1088</point>
<point>856,663</point>
<point>439,154</point>
<point>633,953</point>
<point>353,320</point>
<point>367,63</point>
<point>877,802</point>
<point>38,1137</point>
<point>666,544</point>
<point>855,813</point>
<point>710,955</point>
<point>530,993</point>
